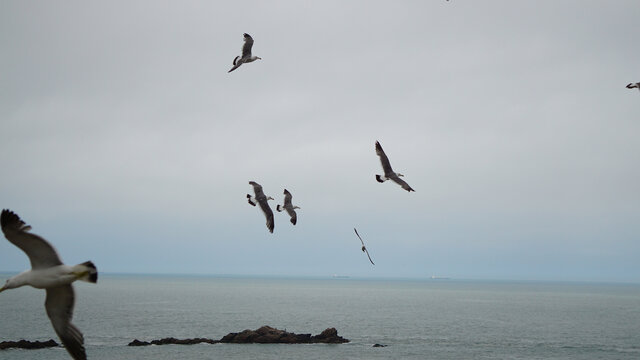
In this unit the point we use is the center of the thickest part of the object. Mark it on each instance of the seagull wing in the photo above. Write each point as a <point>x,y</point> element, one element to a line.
<point>401,182</point>
<point>384,160</point>
<point>268,213</point>
<point>287,198</point>
<point>364,247</point>
<point>40,252</point>
<point>59,306</point>
<point>246,48</point>
<point>257,189</point>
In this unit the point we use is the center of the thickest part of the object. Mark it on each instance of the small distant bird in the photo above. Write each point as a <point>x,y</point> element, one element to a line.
<point>246,53</point>
<point>261,199</point>
<point>288,206</point>
<point>634,85</point>
<point>389,174</point>
<point>48,272</point>
<point>364,249</point>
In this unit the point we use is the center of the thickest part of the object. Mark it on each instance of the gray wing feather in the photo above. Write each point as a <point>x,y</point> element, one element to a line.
<point>248,44</point>
<point>40,252</point>
<point>401,182</point>
<point>384,160</point>
<point>268,213</point>
<point>59,306</point>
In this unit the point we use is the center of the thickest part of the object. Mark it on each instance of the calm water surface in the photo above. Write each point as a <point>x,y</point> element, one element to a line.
<point>442,319</point>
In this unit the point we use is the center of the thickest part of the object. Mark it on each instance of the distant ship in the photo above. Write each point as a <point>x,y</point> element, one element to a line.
<point>336,276</point>
<point>434,277</point>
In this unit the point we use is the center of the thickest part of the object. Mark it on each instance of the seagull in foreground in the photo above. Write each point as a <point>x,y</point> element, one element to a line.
<point>246,53</point>
<point>288,206</point>
<point>364,249</point>
<point>389,174</point>
<point>48,272</point>
<point>634,85</point>
<point>261,199</point>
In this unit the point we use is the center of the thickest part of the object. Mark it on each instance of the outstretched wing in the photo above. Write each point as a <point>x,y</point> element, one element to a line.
<point>268,213</point>
<point>40,252</point>
<point>248,44</point>
<point>364,247</point>
<point>287,198</point>
<point>402,183</point>
<point>59,306</point>
<point>384,160</point>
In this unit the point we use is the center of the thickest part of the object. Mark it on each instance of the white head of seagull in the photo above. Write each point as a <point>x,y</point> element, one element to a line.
<point>246,53</point>
<point>261,199</point>
<point>48,272</point>
<point>389,174</point>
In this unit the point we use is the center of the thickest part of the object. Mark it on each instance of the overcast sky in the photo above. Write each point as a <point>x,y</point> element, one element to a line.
<point>124,140</point>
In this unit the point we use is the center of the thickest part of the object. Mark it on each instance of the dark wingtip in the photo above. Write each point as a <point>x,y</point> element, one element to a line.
<point>378,179</point>
<point>293,221</point>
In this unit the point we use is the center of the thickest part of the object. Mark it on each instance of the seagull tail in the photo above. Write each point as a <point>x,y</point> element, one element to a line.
<point>380,179</point>
<point>88,271</point>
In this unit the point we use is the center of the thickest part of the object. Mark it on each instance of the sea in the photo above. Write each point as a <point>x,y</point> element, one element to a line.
<point>415,319</point>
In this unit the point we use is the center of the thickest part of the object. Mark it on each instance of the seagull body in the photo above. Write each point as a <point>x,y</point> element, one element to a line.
<point>634,85</point>
<point>261,199</point>
<point>48,272</point>
<point>389,174</point>
<point>364,249</point>
<point>291,210</point>
<point>246,53</point>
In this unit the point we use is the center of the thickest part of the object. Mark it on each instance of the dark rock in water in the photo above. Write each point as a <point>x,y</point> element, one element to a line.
<point>269,335</point>
<point>174,341</point>
<point>379,345</point>
<point>263,335</point>
<point>25,344</point>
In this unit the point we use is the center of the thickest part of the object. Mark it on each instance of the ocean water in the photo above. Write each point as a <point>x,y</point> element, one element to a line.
<point>431,319</point>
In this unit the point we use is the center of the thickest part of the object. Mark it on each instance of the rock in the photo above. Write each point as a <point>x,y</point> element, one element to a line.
<point>174,341</point>
<point>269,335</point>
<point>379,345</point>
<point>263,335</point>
<point>25,344</point>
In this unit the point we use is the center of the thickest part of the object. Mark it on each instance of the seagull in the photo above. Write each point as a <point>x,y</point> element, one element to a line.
<point>288,206</point>
<point>389,174</point>
<point>261,199</point>
<point>364,249</point>
<point>246,53</point>
<point>48,272</point>
<point>634,85</point>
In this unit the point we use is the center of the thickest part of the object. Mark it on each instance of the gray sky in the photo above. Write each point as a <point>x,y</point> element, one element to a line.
<point>125,141</point>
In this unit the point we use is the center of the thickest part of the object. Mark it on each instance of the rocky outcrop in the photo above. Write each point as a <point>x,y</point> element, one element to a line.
<point>269,335</point>
<point>170,340</point>
<point>263,335</point>
<point>25,344</point>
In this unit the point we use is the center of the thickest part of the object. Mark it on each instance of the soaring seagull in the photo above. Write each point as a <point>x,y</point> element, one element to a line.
<point>48,272</point>
<point>289,207</point>
<point>246,53</point>
<point>364,249</point>
<point>634,85</point>
<point>261,199</point>
<point>389,174</point>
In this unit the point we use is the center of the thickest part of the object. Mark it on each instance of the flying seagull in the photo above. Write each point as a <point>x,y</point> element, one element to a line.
<point>288,206</point>
<point>246,53</point>
<point>48,272</point>
<point>261,199</point>
<point>364,249</point>
<point>389,174</point>
<point>634,85</point>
